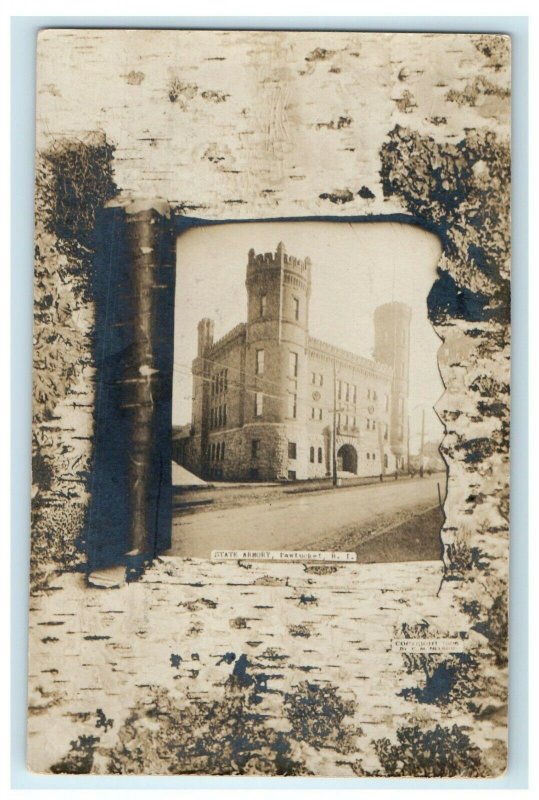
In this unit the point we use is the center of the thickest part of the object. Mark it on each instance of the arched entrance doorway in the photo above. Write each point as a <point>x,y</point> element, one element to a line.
<point>347,459</point>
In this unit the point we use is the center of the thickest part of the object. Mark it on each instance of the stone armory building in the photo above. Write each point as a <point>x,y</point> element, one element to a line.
<point>267,395</point>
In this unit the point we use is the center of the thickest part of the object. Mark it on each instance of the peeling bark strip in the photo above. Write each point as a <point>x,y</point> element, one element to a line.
<point>129,519</point>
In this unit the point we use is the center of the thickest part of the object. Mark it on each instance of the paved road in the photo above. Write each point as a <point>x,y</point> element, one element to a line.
<point>297,521</point>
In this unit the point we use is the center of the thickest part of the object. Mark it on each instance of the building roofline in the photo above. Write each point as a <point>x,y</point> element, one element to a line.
<point>345,355</point>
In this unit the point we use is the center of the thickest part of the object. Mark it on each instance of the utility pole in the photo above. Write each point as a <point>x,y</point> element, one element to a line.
<point>334,448</point>
<point>408,445</point>
<point>421,466</point>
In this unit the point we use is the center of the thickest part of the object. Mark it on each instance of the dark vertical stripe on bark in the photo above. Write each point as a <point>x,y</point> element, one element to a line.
<point>133,287</point>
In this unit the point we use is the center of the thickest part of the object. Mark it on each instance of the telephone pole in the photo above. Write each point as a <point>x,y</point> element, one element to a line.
<point>334,448</point>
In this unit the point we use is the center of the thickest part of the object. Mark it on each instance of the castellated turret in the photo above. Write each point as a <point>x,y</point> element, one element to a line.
<point>278,292</point>
<point>205,335</point>
<point>392,347</point>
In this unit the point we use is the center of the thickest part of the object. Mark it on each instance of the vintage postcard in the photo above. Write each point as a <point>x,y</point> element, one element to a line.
<point>270,520</point>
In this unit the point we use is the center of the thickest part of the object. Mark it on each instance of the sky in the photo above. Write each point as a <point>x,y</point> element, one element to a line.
<point>355,268</point>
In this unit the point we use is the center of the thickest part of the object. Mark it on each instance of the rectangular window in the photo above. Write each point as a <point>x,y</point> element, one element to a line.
<point>338,420</point>
<point>346,421</point>
<point>319,413</point>
<point>368,424</point>
<point>347,392</point>
<point>312,413</point>
<point>368,394</point>
<point>355,393</point>
<point>255,447</point>
<point>313,378</point>
<point>296,308</point>
<point>293,364</point>
<point>262,305</point>
<point>374,395</point>
<point>259,402</point>
<point>224,414</point>
<point>374,424</point>
<point>311,455</point>
<point>259,362</point>
<point>222,451</point>
<point>354,423</point>
<point>292,405</point>
<point>319,455</point>
<point>226,379</point>
<point>385,432</point>
<point>291,475</point>
<point>321,377</point>
<point>339,390</point>
<point>292,450</point>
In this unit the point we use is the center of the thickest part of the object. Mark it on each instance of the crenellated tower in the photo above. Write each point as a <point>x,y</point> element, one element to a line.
<point>392,347</point>
<point>278,292</point>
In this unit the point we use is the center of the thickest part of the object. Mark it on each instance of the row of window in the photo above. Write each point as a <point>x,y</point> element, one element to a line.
<point>317,379</point>
<point>345,421</point>
<point>312,454</point>
<point>217,451</point>
<point>317,454</point>
<point>218,416</point>
<point>219,382</point>
<point>346,391</point>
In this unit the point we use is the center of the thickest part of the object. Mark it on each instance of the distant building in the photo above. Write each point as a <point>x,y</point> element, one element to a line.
<point>267,394</point>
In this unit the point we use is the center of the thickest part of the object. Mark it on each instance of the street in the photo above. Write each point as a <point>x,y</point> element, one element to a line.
<point>300,521</point>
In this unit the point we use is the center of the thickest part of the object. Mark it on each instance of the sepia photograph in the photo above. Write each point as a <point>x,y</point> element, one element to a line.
<point>305,384</point>
<point>271,404</point>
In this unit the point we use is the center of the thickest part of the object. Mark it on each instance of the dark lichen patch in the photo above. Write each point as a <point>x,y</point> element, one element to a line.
<point>406,102</point>
<point>440,752</point>
<point>80,758</point>
<point>338,196</point>
<point>221,736</point>
<point>238,622</point>
<point>479,87</point>
<point>344,121</point>
<point>215,96</point>
<point>74,179</point>
<point>366,194</point>
<point>319,54</point>
<point>316,714</point>
<point>299,630</point>
<point>447,679</point>
<point>320,569</point>
<point>495,49</point>
<point>181,92</point>
<point>462,190</point>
